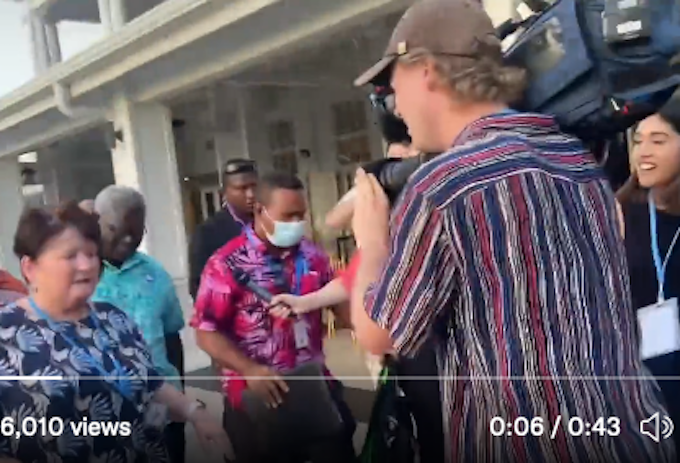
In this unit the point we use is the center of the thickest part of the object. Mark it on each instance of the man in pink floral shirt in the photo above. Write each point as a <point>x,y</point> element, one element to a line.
<point>241,334</point>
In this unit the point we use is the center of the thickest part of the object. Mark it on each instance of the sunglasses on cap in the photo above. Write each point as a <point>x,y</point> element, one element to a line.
<point>382,99</point>
<point>239,167</point>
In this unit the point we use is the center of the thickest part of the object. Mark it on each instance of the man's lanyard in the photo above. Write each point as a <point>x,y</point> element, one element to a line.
<point>277,268</point>
<point>658,264</point>
<point>231,211</point>
<point>121,385</point>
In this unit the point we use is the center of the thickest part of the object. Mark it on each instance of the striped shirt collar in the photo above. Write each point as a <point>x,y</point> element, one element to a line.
<point>508,120</point>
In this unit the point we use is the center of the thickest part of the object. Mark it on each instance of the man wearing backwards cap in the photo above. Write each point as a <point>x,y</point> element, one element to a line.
<point>505,251</point>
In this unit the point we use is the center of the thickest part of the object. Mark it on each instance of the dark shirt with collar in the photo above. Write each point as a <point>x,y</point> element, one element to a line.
<point>210,236</point>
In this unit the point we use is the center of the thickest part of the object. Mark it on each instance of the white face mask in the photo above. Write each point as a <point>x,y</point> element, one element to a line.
<point>286,234</point>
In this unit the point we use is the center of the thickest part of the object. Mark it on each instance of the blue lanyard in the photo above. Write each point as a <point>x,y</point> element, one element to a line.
<point>301,267</point>
<point>656,254</point>
<point>120,384</point>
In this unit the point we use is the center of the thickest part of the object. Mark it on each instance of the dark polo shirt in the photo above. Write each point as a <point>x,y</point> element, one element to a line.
<point>208,238</point>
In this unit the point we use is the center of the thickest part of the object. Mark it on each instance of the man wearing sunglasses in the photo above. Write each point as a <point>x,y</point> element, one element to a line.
<point>238,197</point>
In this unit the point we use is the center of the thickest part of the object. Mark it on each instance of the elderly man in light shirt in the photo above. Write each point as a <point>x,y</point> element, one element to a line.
<point>140,286</point>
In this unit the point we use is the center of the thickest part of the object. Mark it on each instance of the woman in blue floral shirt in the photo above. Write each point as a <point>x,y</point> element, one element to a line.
<point>101,365</point>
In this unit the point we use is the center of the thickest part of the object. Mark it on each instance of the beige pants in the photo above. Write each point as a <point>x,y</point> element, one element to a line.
<point>374,365</point>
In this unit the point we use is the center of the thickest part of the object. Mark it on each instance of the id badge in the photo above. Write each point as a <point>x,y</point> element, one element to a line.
<point>301,334</point>
<point>156,415</point>
<point>659,329</point>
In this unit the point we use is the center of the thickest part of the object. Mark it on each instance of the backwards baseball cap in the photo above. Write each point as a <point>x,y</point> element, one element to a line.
<point>457,28</point>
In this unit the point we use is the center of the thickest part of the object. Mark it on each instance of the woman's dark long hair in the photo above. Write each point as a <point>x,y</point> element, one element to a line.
<point>631,191</point>
<point>392,128</point>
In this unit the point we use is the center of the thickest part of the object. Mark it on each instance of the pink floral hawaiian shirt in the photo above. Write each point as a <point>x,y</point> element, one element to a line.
<point>226,307</point>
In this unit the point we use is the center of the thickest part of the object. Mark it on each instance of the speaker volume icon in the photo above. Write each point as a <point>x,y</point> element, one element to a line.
<point>657,428</point>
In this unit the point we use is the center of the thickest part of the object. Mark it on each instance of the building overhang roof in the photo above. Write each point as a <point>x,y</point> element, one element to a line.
<point>86,10</point>
<point>177,46</point>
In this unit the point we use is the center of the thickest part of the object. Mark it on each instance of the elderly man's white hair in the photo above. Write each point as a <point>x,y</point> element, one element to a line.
<point>118,200</point>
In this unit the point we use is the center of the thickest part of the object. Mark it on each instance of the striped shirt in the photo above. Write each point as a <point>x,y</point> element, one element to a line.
<point>506,249</point>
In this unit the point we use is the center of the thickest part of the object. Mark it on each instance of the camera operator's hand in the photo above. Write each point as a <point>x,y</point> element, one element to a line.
<point>370,222</point>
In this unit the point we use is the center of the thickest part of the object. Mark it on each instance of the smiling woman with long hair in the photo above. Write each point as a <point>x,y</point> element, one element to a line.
<point>650,208</point>
<point>101,365</point>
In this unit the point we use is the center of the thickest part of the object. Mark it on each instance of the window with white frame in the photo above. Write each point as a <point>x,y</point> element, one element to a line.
<point>351,131</point>
<point>282,146</point>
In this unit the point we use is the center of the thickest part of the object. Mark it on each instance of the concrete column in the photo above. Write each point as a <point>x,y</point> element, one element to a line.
<point>145,159</point>
<point>11,206</point>
<point>105,14</point>
<point>38,43</point>
<point>41,56</point>
<point>118,14</point>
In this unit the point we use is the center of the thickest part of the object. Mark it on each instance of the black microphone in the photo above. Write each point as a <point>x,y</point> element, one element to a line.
<point>243,279</point>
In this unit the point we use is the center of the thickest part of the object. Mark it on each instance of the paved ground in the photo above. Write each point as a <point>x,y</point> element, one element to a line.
<point>345,360</point>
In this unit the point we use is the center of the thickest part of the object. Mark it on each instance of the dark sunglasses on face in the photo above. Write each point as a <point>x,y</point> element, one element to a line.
<point>382,99</point>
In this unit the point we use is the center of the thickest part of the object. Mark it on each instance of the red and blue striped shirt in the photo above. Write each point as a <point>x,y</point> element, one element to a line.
<point>507,249</point>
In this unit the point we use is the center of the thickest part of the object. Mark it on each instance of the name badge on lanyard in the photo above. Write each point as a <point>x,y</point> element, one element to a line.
<point>301,333</point>
<point>659,323</point>
<point>300,327</point>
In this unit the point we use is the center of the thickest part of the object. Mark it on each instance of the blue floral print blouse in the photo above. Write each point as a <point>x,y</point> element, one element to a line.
<point>42,418</point>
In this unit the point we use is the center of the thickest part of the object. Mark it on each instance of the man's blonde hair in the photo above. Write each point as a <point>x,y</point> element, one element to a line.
<point>484,80</point>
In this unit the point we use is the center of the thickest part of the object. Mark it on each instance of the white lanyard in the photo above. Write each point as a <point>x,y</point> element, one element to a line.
<point>656,254</point>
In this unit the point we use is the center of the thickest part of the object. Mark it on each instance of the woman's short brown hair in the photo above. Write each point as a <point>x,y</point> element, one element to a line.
<point>37,226</point>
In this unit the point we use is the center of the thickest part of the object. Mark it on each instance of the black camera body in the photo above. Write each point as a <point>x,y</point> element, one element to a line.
<point>393,173</point>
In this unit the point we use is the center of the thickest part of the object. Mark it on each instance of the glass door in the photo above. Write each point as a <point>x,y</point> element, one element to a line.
<point>211,201</point>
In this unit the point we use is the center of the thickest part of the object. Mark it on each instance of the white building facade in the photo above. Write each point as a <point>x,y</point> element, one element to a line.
<point>176,88</point>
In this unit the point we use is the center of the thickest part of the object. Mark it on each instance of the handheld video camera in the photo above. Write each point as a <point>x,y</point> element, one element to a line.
<point>392,174</point>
